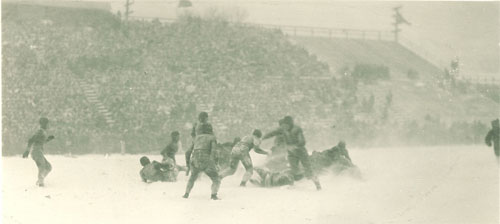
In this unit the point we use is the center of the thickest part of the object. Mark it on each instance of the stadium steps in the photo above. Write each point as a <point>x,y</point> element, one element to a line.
<point>92,96</point>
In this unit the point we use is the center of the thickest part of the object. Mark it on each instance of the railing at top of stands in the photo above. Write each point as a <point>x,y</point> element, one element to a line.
<point>310,31</point>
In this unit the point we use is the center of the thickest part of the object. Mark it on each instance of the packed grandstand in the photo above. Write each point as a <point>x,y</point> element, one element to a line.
<point>154,78</point>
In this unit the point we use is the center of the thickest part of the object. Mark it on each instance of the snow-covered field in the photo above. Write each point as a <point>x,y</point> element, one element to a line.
<point>401,185</point>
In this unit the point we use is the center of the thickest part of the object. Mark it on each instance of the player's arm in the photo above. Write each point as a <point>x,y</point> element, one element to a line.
<point>188,159</point>
<point>271,134</point>
<point>188,156</point>
<point>143,177</point>
<point>213,149</point>
<point>28,148</point>
<point>301,141</point>
<point>489,138</point>
<point>50,138</point>
<point>259,150</point>
<point>256,147</point>
<point>267,180</point>
<point>346,154</point>
<point>193,130</point>
<point>159,166</point>
<point>164,152</point>
<point>32,140</point>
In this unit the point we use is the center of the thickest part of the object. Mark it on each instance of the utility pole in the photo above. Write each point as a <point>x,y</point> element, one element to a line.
<point>128,11</point>
<point>398,19</point>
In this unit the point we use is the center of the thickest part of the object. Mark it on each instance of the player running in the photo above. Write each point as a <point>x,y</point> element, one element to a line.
<point>295,143</point>
<point>203,159</point>
<point>241,152</point>
<point>339,153</point>
<point>37,141</point>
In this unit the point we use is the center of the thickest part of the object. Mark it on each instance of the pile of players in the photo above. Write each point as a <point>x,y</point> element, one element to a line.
<point>205,155</point>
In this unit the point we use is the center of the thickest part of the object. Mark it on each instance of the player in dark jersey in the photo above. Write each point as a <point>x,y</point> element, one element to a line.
<point>494,136</point>
<point>339,152</point>
<point>37,141</point>
<point>241,152</point>
<point>278,160</point>
<point>201,158</point>
<point>172,148</point>
<point>296,150</point>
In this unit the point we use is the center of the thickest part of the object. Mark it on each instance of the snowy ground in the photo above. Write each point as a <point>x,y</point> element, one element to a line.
<point>401,185</point>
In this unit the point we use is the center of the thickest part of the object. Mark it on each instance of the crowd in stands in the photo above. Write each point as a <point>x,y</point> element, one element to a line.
<point>156,77</point>
<point>153,77</point>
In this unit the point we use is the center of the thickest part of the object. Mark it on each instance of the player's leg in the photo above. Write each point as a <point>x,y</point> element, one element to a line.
<point>247,163</point>
<point>262,173</point>
<point>211,172</point>
<point>233,165</point>
<point>497,153</point>
<point>304,159</point>
<point>48,167</point>
<point>293,161</point>
<point>195,172</point>
<point>262,176</point>
<point>40,162</point>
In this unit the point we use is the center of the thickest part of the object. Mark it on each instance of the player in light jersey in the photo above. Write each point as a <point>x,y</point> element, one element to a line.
<point>241,152</point>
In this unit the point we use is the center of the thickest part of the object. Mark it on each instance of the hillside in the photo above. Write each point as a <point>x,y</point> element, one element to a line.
<point>413,99</point>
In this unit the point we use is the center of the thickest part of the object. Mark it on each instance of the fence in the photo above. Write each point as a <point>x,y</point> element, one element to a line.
<point>480,79</point>
<point>330,32</point>
<point>309,31</point>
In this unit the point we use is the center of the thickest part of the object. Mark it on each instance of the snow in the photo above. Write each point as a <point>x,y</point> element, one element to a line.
<point>452,184</point>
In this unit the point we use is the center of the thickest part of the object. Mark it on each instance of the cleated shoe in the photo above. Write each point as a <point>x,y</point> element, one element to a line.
<point>243,184</point>
<point>318,186</point>
<point>214,197</point>
<point>40,184</point>
<point>186,195</point>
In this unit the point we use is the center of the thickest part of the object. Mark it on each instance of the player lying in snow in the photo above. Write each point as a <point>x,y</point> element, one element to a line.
<point>336,159</point>
<point>156,171</point>
<point>268,178</point>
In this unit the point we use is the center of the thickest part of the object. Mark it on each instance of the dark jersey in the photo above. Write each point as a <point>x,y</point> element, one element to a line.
<point>294,136</point>
<point>197,129</point>
<point>493,136</point>
<point>151,172</point>
<point>38,139</point>
<point>337,152</point>
<point>170,150</point>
